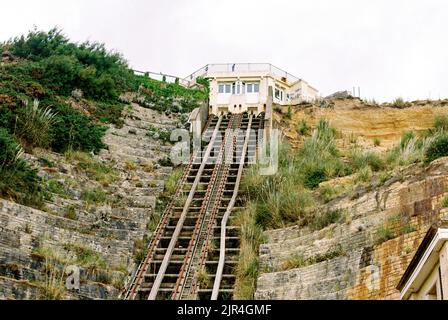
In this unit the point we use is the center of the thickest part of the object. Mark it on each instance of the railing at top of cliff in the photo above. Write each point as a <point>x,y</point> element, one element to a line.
<point>213,69</point>
<point>268,68</point>
<point>164,77</point>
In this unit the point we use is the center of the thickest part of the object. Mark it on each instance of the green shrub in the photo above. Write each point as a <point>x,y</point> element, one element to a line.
<point>10,150</point>
<point>314,175</point>
<point>327,193</point>
<point>360,160</point>
<point>173,181</point>
<point>364,175</point>
<point>285,198</point>
<point>331,254</point>
<point>438,148</point>
<point>109,113</point>
<point>294,262</point>
<point>445,202</point>
<point>71,213</point>
<point>94,196</point>
<point>400,103</point>
<point>18,181</point>
<point>94,169</point>
<point>66,66</point>
<point>326,219</point>
<point>169,97</point>
<point>61,73</point>
<point>56,187</point>
<point>61,128</point>
<point>203,279</point>
<point>289,113</point>
<point>376,142</point>
<point>384,234</point>
<point>204,82</point>
<point>407,228</point>
<point>37,44</point>
<point>75,131</point>
<point>302,128</point>
<point>159,134</point>
<point>86,257</point>
<point>441,122</point>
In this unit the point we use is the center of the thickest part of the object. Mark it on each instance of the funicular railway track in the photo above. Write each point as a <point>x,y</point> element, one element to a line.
<point>187,241</point>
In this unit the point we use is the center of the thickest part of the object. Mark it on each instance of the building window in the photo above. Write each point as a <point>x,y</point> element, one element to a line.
<point>225,88</point>
<point>239,88</point>
<point>277,94</point>
<point>253,87</point>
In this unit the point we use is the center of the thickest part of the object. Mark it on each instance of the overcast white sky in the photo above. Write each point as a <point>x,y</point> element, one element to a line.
<point>389,48</point>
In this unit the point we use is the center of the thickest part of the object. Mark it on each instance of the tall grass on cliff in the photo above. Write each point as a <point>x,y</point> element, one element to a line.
<point>248,265</point>
<point>285,197</point>
<point>420,149</point>
<point>288,196</point>
<point>34,124</point>
<point>437,146</point>
<point>318,159</point>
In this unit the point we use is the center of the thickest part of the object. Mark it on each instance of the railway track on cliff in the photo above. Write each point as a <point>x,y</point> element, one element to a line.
<point>194,252</point>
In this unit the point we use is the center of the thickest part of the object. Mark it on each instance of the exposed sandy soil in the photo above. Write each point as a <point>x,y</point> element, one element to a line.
<point>354,118</point>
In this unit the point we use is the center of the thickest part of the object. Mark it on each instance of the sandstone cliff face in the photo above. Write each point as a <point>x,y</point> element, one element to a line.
<point>364,256</point>
<point>103,232</point>
<point>367,121</point>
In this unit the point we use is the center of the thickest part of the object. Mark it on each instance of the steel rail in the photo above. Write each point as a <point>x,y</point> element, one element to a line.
<point>204,208</point>
<point>161,273</point>
<point>205,248</point>
<point>222,255</point>
<point>138,277</point>
<point>222,172</point>
<point>144,265</point>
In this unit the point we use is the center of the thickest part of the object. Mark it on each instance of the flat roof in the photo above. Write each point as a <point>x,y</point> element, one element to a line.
<point>242,67</point>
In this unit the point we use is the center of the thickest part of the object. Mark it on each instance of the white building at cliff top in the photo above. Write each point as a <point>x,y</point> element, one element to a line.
<point>245,87</point>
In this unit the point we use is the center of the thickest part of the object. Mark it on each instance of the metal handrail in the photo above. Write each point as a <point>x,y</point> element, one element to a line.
<point>160,76</point>
<point>223,67</point>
